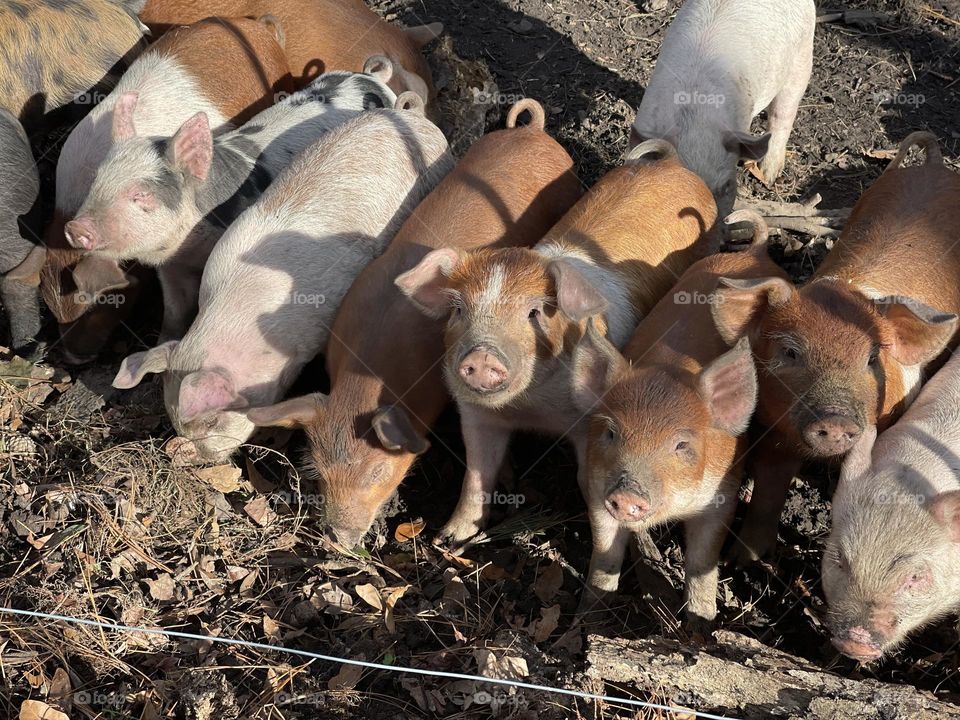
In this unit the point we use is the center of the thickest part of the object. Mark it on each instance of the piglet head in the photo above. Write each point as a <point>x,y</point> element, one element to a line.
<point>831,359</point>
<point>653,427</point>
<point>892,561</point>
<point>508,313</point>
<point>358,462</point>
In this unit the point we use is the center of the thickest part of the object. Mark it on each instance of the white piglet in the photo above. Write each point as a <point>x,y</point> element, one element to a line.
<point>274,282</point>
<point>165,201</point>
<point>892,562</point>
<point>721,63</point>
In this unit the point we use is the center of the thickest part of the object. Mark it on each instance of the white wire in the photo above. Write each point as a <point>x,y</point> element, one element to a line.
<point>360,663</point>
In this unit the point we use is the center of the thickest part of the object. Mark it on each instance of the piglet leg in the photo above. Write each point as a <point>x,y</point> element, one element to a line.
<point>610,541</point>
<point>181,290</point>
<point>22,304</point>
<point>486,445</point>
<point>782,113</point>
<point>705,535</point>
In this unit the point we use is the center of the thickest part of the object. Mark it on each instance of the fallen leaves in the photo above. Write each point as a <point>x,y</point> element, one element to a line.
<point>409,530</point>
<point>37,710</point>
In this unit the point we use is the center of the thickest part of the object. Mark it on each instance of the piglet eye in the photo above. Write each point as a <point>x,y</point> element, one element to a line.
<point>457,311</point>
<point>534,313</point>
<point>874,357</point>
<point>682,446</point>
<point>790,353</point>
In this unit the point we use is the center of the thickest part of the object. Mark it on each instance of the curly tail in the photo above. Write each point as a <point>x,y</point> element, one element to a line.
<point>760,229</point>
<point>658,148</point>
<point>538,118</point>
<point>926,140</point>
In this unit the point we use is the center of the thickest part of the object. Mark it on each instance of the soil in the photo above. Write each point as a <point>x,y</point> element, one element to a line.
<point>96,521</point>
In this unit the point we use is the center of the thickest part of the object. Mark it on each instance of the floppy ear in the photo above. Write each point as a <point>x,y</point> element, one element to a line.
<point>858,459</point>
<point>295,413</point>
<point>191,149</point>
<point>95,275</point>
<point>729,385</point>
<point>396,432</point>
<point>747,146</point>
<point>576,296</point>
<point>922,332</point>
<point>123,128</point>
<point>204,391</point>
<point>420,35</point>
<point>596,365</point>
<point>135,367</point>
<point>380,66</point>
<point>426,284</point>
<point>945,509</point>
<point>740,303</point>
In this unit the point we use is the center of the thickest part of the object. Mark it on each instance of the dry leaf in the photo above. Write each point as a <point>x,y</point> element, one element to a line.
<point>61,690</point>
<point>880,154</point>
<point>390,596</point>
<point>271,628</point>
<point>225,478</point>
<point>370,595</point>
<point>506,667</point>
<point>549,582</point>
<point>347,678</point>
<point>259,511</point>
<point>36,710</point>
<point>543,628</point>
<point>162,587</point>
<point>408,531</point>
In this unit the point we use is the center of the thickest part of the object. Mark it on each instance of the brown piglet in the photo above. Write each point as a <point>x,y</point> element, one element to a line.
<point>851,347</point>
<point>384,354</point>
<point>666,421</point>
<point>515,315</point>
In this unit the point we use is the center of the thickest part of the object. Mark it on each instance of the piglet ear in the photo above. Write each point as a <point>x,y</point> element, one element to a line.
<point>95,276</point>
<point>857,462</point>
<point>295,413</point>
<point>123,128</point>
<point>596,365</point>
<point>729,385</point>
<point>380,66</point>
<point>191,149</point>
<point>747,146</point>
<point>739,304</point>
<point>205,391</point>
<point>135,367</point>
<point>576,297</point>
<point>396,432</point>
<point>427,284</point>
<point>922,332</point>
<point>945,509</point>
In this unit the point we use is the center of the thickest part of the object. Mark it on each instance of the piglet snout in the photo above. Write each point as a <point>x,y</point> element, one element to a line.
<point>627,505</point>
<point>833,433</point>
<point>858,645</point>
<point>82,234</point>
<point>482,370</point>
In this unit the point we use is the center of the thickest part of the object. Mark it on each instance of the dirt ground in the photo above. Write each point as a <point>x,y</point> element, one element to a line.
<point>95,520</point>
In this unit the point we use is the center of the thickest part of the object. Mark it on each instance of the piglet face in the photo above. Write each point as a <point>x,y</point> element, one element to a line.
<point>503,325</point>
<point>656,442</point>
<point>207,410</point>
<point>357,462</point>
<point>890,566</point>
<point>831,360</point>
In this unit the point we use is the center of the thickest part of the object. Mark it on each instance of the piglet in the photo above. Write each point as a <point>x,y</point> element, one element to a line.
<point>320,35</point>
<point>20,255</point>
<point>165,201</point>
<point>515,315</point>
<point>58,53</point>
<point>850,348</point>
<point>666,421</point>
<point>892,561</point>
<point>384,357</point>
<point>276,278</point>
<point>721,63</point>
<point>228,68</point>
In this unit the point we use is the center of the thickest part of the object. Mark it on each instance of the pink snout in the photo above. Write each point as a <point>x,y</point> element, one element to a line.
<point>832,434</point>
<point>858,645</point>
<point>627,506</point>
<point>483,371</point>
<point>82,233</point>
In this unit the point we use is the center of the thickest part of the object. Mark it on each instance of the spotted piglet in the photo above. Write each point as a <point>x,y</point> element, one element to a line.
<point>666,421</point>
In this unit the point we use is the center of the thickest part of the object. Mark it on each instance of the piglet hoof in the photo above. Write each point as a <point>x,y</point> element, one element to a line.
<point>749,548</point>
<point>699,629</point>
<point>456,536</point>
<point>594,606</point>
<point>771,167</point>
